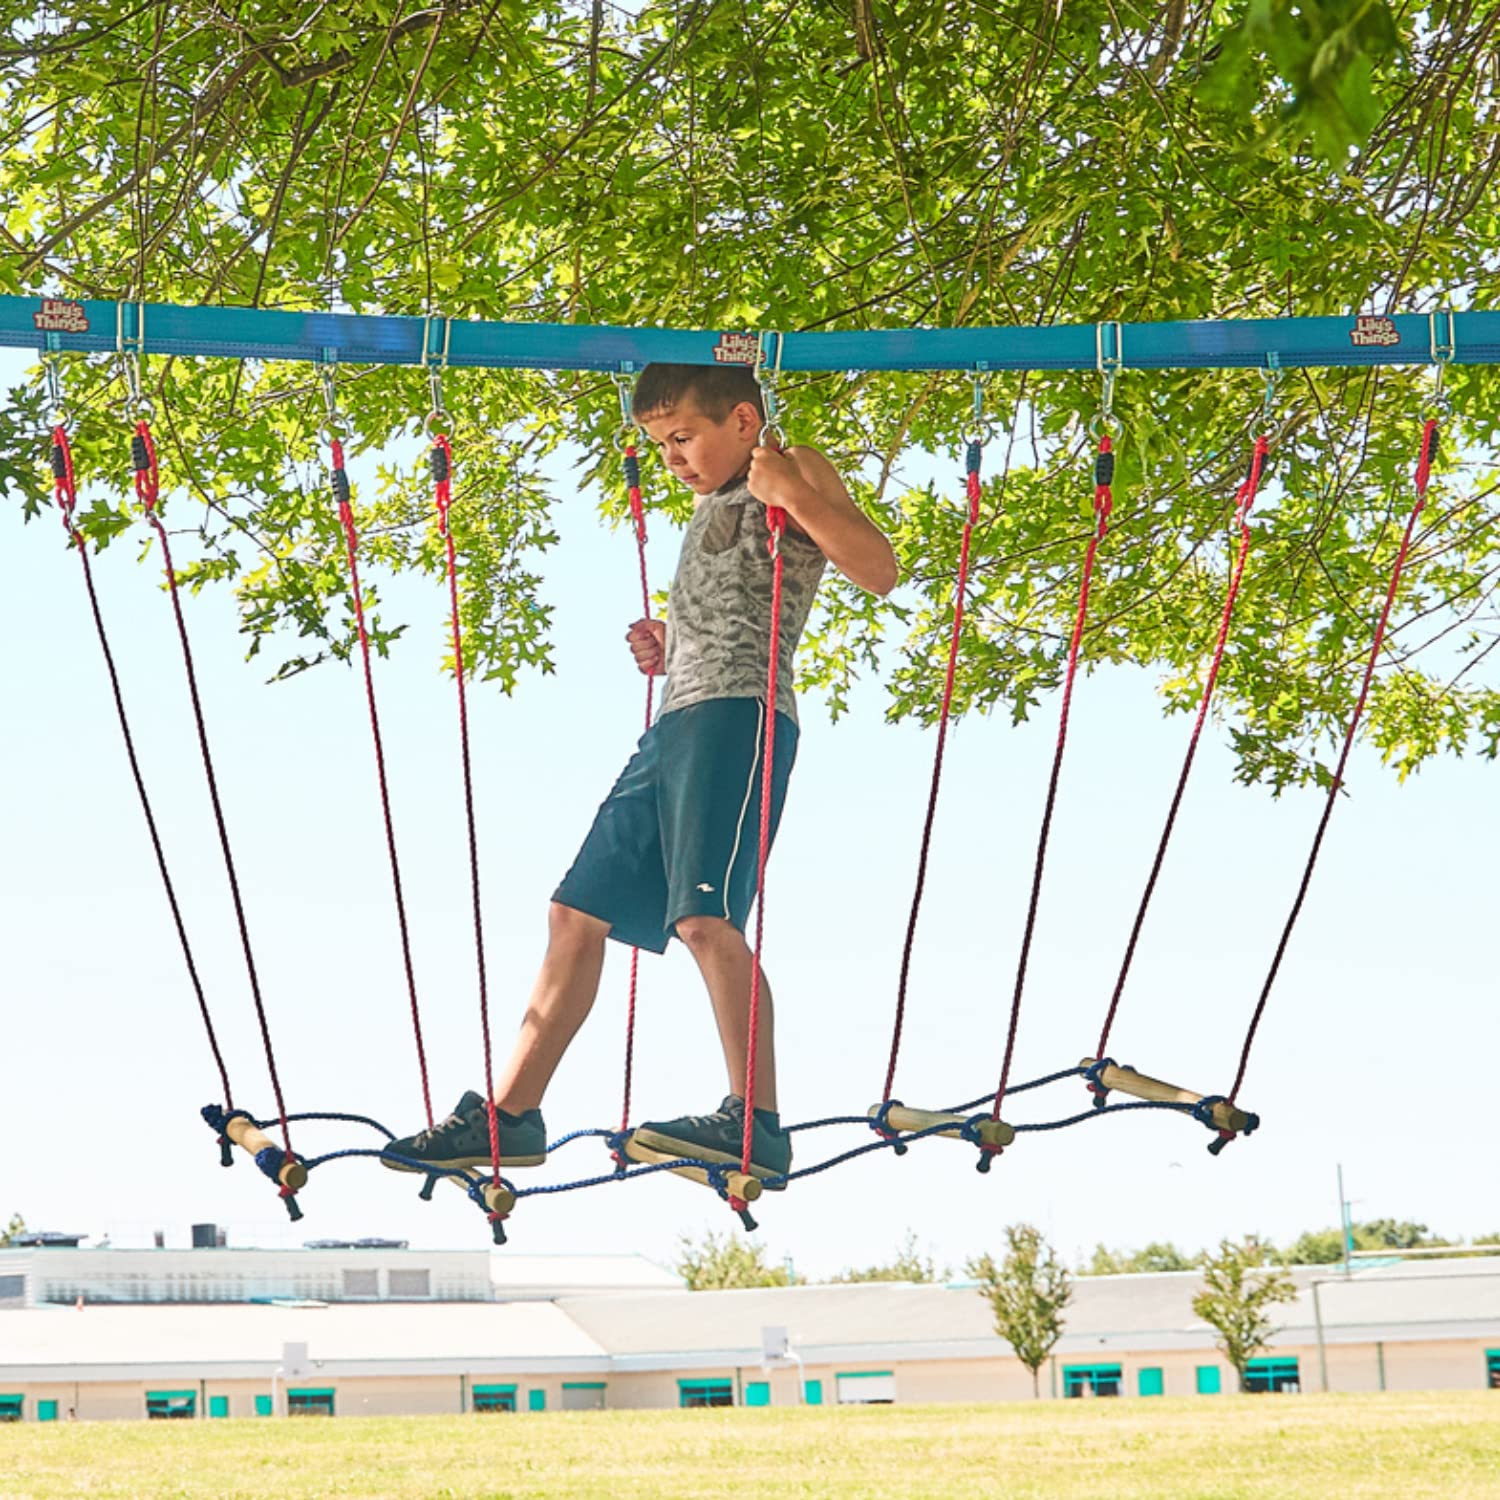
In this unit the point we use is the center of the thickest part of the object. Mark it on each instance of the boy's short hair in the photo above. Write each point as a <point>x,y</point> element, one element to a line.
<point>716,390</point>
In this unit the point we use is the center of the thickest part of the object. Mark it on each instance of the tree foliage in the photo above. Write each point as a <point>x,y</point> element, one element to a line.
<point>1324,1246</point>
<point>12,1231</point>
<point>1239,1289</point>
<point>875,164</point>
<point>1157,1256</point>
<point>718,1263</point>
<point>1027,1291</point>
<point>908,1264</point>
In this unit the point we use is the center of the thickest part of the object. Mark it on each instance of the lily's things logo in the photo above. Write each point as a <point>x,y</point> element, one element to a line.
<point>1371,332</point>
<point>737,349</point>
<point>58,315</point>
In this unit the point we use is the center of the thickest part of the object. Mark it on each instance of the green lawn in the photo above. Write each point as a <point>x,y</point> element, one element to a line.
<point>1231,1448</point>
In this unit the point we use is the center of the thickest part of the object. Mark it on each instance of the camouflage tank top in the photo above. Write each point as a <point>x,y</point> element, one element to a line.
<point>719,610</point>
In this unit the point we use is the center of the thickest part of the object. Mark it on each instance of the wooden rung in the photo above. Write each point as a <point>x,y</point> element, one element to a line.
<point>748,1189</point>
<point>498,1199</point>
<point>251,1138</point>
<point>992,1132</point>
<point>1140,1086</point>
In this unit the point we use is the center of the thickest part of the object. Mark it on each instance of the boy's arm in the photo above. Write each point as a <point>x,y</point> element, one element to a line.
<point>805,485</point>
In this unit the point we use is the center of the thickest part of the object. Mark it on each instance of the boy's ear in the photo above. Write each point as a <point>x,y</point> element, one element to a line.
<point>746,419</point>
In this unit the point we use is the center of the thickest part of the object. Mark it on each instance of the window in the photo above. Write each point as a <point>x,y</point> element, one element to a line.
<point>218,1406</point>
<point>867,1388</point>
<point>705,1393</point>
<point>10,1408</point>
<point>309,1403</point>
<point>410,1283</point>
<point>1091,1380</point>
<point>536,1401</point>
<point>1149,1381</point>
<point>1492,1368</point>
<point>758,1393</point>
<point>812,1392</point>
<point>263,1406</point>
<point>46,1411</point>
<point>12,1288</point>
<point>361,1283</point>
<point>171,1404</point>
<point>1272,1375</point>
<point>583,1395</point>
<point>1208,1380</point>
<point>494,1398</point>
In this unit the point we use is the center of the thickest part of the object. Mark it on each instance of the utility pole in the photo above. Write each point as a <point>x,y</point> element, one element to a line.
<point>1346,1228</point>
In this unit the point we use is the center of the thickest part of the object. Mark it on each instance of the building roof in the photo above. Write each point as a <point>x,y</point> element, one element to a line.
<point>236,1342</point>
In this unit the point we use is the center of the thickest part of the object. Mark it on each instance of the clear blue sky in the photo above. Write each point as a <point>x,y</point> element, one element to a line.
<point>1377,1052</point>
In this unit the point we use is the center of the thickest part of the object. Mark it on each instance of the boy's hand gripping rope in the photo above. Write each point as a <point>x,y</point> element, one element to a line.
<point>1428,453</point>
<point>148,489</point>
<point>974,493</point>
<point>1244,499</point>
<point>339,484</point>
<point>1104,473</point>
<point>441,459</point>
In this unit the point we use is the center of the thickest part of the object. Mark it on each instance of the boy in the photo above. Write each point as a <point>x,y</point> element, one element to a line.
<point>673,850</point>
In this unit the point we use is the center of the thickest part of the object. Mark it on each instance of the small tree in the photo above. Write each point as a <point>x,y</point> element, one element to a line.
<point>1027,1293</point>
<point>12,1231</point>
<point>909,1265</point>
<point>1238,1288</point>
<point>713,1264</point>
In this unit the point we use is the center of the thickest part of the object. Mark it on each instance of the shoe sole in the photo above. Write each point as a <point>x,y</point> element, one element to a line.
<point>668,1146</point>
<point>462,1163</point>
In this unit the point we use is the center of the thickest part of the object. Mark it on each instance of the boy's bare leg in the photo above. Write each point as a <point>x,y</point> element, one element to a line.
<point>560,1001</point>
<point>726,963</point>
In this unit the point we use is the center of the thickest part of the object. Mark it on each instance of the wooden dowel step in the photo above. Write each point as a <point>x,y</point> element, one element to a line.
<point>250,1137</point>
<point>740,1185</point>
<point>1141,1086</point>
<point>991,1132</point>
<point>498,1199</point>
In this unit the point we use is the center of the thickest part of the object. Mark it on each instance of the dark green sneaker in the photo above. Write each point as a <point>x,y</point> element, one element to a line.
<point>718,1137</point>
<point>463,1140</point>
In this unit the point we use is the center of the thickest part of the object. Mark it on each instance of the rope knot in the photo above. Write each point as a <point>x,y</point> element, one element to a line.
<point>441,464</point>
<point>1104,468</point>
<point>1093,1077</point>
<point>880,1123</point>
<point>339,481</point>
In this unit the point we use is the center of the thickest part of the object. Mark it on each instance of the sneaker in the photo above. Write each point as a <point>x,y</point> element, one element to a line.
<point>718,1137</point>
<point>463,1140</point>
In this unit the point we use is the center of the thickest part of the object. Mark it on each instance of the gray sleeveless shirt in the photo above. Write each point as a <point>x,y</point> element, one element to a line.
<point>719,610</point>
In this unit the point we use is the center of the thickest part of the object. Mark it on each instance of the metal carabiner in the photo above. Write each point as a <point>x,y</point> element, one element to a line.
<point>436,419</point>
<point>1442,349</point>
<point>131,350</point>
<point>772,433</point>
<point>334,426</point>
<point>1265,420</point>
<point>57,408</point>
<point>982,427</point>
<point>1108,364</point>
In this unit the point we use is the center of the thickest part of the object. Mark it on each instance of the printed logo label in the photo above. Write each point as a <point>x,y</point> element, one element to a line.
<point>737,349</point>
<point>1372,332</point>
<point>58,315</point>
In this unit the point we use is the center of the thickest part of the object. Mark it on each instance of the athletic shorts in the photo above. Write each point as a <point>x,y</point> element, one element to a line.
<point>679,834</point>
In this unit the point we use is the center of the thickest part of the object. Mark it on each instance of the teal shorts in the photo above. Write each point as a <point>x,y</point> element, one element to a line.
<point>679,834</point>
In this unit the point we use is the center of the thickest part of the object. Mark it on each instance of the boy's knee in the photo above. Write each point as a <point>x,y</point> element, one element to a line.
<point>709,934</point>
<point>567,926</point>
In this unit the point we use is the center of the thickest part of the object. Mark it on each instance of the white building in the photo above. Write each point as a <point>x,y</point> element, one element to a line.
<point>563,1333</point>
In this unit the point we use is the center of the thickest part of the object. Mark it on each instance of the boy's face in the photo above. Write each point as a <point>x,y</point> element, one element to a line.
<point>704,454</point>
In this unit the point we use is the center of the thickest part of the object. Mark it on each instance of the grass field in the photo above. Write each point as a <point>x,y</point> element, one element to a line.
<point>1233,1448</point>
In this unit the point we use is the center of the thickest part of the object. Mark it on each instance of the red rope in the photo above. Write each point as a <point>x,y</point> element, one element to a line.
<point>1244,499</point>
<point>148,489</point>
<point>960,590</point>
<point>1103,504</point>
<point>776,525</point>
<point>638,517</point>
<point>1423,474</point>
<point>65,488</point>
<point>442,474</point>
<point>351,548</point>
